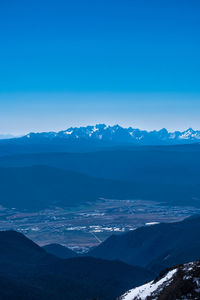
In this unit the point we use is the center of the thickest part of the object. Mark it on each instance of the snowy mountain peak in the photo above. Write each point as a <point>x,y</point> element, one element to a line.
<point>120,135</point>
<point>181,282</point>
<point>150,289</point>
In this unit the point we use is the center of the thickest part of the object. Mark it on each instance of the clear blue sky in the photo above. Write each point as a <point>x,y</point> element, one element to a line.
<point>132,62</point>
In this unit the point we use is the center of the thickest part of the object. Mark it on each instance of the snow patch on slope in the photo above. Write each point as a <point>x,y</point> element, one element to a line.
<point>142,292</point>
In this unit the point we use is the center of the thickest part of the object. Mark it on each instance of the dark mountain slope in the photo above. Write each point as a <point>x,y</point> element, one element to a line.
<point>175,164</point>
<point>39,187</point>
<point>16,289</point>
<point>169,174</point>
<point>156,247</point>
<point>15,247</point>
<point>31,273</point>
<point>59,251</point>
<point>21,145</point>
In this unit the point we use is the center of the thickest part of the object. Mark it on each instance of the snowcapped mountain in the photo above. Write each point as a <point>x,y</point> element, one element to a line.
<point>181,282</point>
<point>120,135</point>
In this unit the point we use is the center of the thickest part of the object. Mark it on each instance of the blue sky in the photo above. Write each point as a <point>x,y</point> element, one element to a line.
<point>132,62</point>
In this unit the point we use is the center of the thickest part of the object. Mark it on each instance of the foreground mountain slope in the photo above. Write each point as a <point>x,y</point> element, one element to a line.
<point>156,247</point>
<point>59,251</point>
<point>28,272</point>
<point>15,247</point>
<point>180,282</point>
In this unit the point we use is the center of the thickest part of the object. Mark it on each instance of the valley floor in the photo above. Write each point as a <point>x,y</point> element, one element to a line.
<point>88,226</point>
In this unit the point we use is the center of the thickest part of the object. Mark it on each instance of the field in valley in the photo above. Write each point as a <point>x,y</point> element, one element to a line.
<point>86,227</point>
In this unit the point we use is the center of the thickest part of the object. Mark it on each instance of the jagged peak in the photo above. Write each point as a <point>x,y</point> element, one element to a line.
<point>120,134</point>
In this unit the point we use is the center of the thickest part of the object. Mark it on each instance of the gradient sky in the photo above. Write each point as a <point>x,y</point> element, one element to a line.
<point>132,62</point>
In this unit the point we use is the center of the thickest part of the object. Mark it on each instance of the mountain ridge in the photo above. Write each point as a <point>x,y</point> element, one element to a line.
<point>116,134</point>
<point>59,251</point>
<point>119,134</point>
<point>58,187</point>
<point>155,247</point>
<point>27,271</point>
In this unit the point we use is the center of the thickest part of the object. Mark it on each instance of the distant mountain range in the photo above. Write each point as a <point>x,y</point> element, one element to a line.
<point>119,135</point>
<point>95,138</point>
<point>71,170</point>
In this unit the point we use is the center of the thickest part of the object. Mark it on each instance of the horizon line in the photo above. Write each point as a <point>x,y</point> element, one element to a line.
<point>11,135</point>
